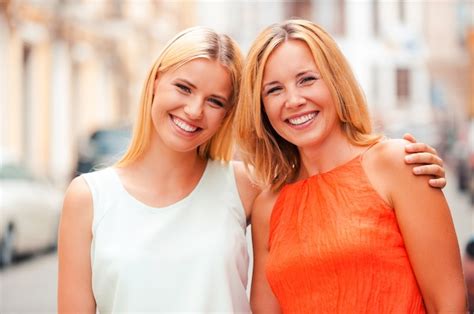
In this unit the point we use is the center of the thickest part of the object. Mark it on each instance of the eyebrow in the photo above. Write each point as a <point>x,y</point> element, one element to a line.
<point>194,87</point>
<point>303,73</point>
<point>297,75</point>
<point>187,82</point>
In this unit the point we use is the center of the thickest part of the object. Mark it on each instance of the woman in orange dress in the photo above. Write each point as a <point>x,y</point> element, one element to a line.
<point>345,226</point>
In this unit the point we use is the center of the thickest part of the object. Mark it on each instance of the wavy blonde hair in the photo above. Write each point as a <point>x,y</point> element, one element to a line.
<point>190,44</point>
<point>274,160</point>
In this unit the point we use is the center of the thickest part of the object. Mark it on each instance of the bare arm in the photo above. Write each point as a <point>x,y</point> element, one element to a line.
<point>425,223</point>
<point>75,235</point>
<point>248,190</point>
<point>262,299</point>
<point>429,163</point>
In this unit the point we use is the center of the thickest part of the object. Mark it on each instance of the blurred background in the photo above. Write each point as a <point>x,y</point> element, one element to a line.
<point>71,73</point>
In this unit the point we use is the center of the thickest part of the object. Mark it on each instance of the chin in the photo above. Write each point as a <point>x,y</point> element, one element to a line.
<point>182,147</point>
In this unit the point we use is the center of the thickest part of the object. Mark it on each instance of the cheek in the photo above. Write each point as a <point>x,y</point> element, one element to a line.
<point>271,110</point>
<point>275,120</point>
<point>156,111</point>
<point>326,97</point>
<point>216,119</point>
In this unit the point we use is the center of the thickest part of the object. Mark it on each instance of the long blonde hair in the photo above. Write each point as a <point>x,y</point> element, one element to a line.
<point>275,160</point>
<point>190,44</point>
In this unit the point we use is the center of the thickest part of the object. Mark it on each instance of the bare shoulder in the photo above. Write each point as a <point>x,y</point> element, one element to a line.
<point>262,212</point>
<point>74,246</point>
<point>387,159</point>
<point>78,200</point>
<point>263,206</point>
<point>240,171</point>
<point>248,189</point>
<point>385,167</point>
<point>78,191</point>
<point>389,151</point>
<point>266,198</point>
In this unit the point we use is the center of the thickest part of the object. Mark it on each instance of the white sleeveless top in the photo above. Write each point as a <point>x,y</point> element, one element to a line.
<point>190,256</point>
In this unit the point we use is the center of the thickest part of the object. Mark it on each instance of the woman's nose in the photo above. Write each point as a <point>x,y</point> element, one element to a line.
<point>294,99</point>
<point>194,109</point>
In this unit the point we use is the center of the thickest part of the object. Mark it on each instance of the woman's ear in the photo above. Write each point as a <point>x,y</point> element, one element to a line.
<point>155,83</point>
<point>154,88</point>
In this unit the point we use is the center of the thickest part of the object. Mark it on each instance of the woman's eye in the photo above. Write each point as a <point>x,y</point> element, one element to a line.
<point>216,102</point>
<point>308,79</point>
<point>184,88</point>
<point>273,90</point>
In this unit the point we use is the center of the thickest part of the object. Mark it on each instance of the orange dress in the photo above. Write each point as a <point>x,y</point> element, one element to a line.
<point>335,247</point>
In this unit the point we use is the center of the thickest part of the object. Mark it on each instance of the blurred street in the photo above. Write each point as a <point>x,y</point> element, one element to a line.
<point>30,286</point>
<point>462,211</point>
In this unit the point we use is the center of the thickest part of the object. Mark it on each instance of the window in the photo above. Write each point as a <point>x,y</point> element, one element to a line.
<point>27,100</point>
<point>299,9</point>
<point>331,15</point>
<point>115,8</point>
<point>403,86</point>
<point>401,10</point>
<point>375,18</point>
<point>340,23</point>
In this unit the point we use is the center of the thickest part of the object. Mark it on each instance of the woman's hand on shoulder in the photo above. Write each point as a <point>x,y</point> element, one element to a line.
<point>74,244</point>
<point>248,189</point>
<point>427,160</point>
<point>389,173</point>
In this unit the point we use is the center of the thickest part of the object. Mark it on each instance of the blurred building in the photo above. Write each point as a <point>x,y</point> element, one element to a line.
<point>69,67</point>
<point>451,80</point>
<point>412,68</point>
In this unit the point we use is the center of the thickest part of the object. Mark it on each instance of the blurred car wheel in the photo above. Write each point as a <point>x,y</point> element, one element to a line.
<point>463,175</point>
<point>7,247</point>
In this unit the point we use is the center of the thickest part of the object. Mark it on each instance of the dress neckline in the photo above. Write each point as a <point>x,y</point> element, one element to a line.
<point>330,171</point>
<point>358,157</point>
<point>183,201</point>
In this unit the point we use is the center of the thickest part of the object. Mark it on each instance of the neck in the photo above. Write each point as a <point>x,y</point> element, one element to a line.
<point>331,152</point>
<point>159,164</point>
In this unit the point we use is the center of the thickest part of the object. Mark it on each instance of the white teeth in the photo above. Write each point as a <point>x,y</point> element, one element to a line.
<point>183,125</point>
<point>302,119</point>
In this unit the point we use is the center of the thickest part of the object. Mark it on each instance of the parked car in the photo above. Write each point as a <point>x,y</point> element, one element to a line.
<point>102,148</point>
<point>29,212</point>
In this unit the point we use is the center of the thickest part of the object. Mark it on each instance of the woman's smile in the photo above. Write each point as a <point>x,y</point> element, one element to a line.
<point>183,125</point>
<point>302,120</point>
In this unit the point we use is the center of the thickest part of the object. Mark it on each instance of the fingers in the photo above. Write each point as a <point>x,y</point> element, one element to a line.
<point>423,158</point>
<point>420,148</point>
<point>431,170</point>
<point>438,183</point>
<point>421,153</point>
<point>409,137</point>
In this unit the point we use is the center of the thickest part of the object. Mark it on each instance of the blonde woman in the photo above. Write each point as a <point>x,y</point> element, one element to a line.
<point>164,229</point>
<point>344,227</point>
